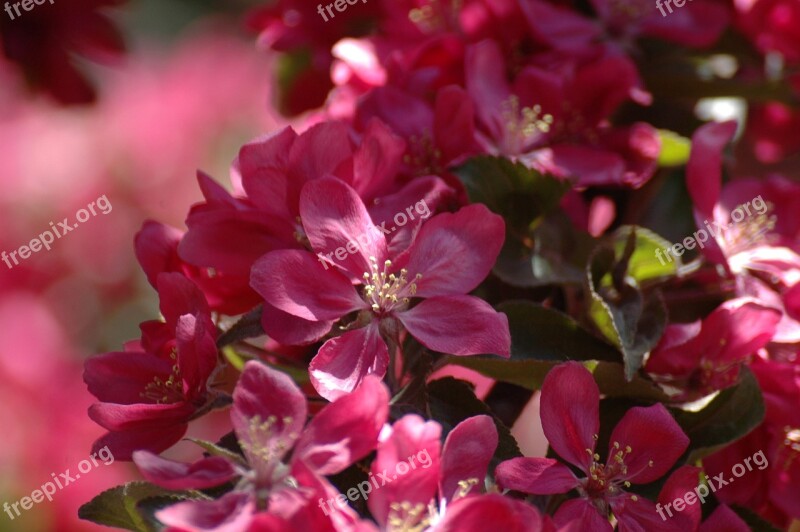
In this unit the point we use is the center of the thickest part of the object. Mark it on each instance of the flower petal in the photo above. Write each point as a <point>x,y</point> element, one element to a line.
<point>491,512</point>
<point>635,513</point>
<point>538,476</point>
<point>343,362</point>
<point>291,330</point>
<point>333,215</point>
<point>455,252</point>
<point>459,325</point>
<point>296,283</point>
<point>653,436</point>
<point>269,412</point>
<point>467,451</point>
<point>345,430</point>
<point>169,474</point>
<point>411,437</point>
<point>704,168</point>
<point>584,514</point>
<point>230,513</point>
<point>570,410</point>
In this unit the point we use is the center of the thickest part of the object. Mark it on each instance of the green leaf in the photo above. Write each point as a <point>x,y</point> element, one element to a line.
<point>248,326</point>
<point>521,195</point>
<point>541,333</point>
<point>644,265</point>
<point>541,246</point>
<point>118,507</point>
<point>674,148</point>
<point>452,401</point>
<point>729,416</point>
<point>216,450</point>
<point>631,320</point>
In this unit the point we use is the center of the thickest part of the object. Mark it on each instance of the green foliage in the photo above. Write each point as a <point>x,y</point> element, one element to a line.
<point>130,506</point>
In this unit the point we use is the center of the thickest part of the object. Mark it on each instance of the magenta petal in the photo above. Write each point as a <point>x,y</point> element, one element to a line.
<point>704,168</point>
<point>121,377</point>
<point>683,480</point>
<point>267,396</point>
<point>377,159</point>
<point>539,476</point>
<point>177,296</point>
<point>295,282</point>
<point>122,444</point>
<point>467,451</point>
<point>414,443</point>
<point>291,330</point>
<point>636,514</point>
<point>459,325</point>
<point>204,473</point>
<point>723,519</point>
<point>652,435</point>
<point>491,512</point>
<point>570,411</point>
<point>197,352</point>
<point>136,416</point>
<point>343,362</point>
<point>584,514</point>
<point>345,430</point>
<point>455,252</point>
<point>157,249</point>
<point>333,215</point>
<point>230,513</point>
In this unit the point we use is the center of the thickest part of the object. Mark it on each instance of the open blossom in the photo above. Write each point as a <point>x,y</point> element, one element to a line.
<point>642,448</point>
<point>705,356</point>
<point>448,493</point>
<point>230,232</point>
<point>555,119</point>
<point>449,256</point>
<point>269,419</point>
<point>149,392</point>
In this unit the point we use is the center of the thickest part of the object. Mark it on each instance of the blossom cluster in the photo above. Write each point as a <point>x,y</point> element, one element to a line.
<point>536,134</point>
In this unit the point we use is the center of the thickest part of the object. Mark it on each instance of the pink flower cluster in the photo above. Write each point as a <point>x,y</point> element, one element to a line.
<point>537,136</point>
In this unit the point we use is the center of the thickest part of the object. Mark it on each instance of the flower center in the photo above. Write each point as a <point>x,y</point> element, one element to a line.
<point>407,517</point>
<point>166,391</point>
<point>523,124</point>
<point>604,480</point>
<point>791,442</point>
<point>423,154</point>
<point>386,292</point>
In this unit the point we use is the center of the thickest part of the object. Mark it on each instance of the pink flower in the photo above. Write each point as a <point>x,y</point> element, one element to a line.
<point>555,117</point>
<point>772,490</point>
<point>642,448</point>
<point>269,419</point>
<point>449,256</point>
<point>229,233</point>
<point>150,391</point>
<point>157,252</point>
<point>443,491</point>
<point>702,357</point>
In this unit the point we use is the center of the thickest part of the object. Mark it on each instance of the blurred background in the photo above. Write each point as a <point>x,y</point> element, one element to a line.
<point>134,125</point>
